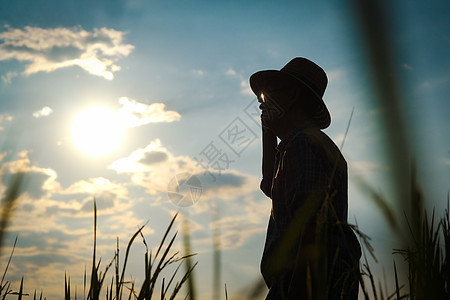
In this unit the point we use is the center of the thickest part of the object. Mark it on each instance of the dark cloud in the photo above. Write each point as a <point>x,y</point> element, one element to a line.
<point>40,240</point>
<point>223,181</point>
<point>153,157</point>
<point>57,210</point>
<point>42,259</point>
<point>104,200</point>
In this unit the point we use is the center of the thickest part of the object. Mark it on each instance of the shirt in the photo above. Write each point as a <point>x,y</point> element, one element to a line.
<point>308,169</point>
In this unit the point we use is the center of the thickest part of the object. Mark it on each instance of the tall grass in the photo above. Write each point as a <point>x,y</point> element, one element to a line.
<point>118,287</point>
<point>426,257</point>
<point>154,264</point>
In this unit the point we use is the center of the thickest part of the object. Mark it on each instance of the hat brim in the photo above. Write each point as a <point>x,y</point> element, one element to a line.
<point>274,80</point>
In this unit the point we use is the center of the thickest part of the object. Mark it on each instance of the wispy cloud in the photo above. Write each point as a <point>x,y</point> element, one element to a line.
<point>446,161</point>
<point>7,78</point>
<point>243,82</point>
<point>134,113</point>
<point>50,49</point>
<point>231,72</point>
<point>335,75</point>
<point>407,67</point>
<point>199,72</point>
<point>3,119</point>
<point>435,82</point>
<point>43,112</point>
<point>358,168</point>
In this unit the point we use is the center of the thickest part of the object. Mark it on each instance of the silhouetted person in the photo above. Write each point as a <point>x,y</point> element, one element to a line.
<point>310,251</point>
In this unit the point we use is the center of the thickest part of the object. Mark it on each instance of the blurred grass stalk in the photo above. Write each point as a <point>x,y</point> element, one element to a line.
<point>217,257</point>
<point>7,203</point>
<point>427,258</point>
<point>191,291</point>
<point>375,31</point>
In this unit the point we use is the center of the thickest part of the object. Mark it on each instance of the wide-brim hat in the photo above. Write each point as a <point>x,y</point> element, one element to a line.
<point>299,71</point>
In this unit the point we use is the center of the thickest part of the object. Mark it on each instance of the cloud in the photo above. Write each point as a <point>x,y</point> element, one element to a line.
<point>47,50</point>
<point>9,76</point>
<point>153,167</point>
<point>335,75</point>
<point>153,157</point>
<point>40,184</point>
<point>435,82</point>
<point>238,226</point>
<point>231,72</point>
<point>358,168</point>
<point>446,161</point>
<point>43,112</point>
<point>3,119</point>
<point>227,184</point>
<point>235,222</point>
<point>137,162</point>
<point>199,72</point>
<point>245,86</point>
<point>37,183</point>
<point>134,113</point>
<point>107,194</point>
<point>93,186</point>
<point>407,67</point>
<point>65,214</point>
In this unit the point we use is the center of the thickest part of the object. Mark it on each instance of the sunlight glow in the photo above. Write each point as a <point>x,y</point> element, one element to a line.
<point>97,131</point>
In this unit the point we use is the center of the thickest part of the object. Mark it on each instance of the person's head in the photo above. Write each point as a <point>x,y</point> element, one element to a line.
<point>292,95</point>
<point>285,109</point>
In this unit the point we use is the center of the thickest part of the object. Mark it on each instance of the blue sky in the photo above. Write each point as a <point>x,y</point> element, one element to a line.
<point>176,74</point>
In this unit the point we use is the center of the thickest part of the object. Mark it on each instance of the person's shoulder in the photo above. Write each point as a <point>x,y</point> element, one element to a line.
<point>301,143</point>
<point>319,139</point>
<point>320,145</point>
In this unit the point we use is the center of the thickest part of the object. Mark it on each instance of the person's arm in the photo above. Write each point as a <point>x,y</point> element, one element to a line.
<point>269,143</point>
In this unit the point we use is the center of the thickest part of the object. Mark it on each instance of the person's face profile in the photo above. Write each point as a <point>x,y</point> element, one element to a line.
<point>271,110</point>
<point>276,101</point>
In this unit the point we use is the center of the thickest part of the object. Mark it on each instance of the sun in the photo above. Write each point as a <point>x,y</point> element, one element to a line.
<point>97,131</point>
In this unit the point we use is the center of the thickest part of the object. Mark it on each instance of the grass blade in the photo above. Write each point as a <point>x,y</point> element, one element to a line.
<point>126,256</point>
<point>20,290</point>
<point>9,261</point>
